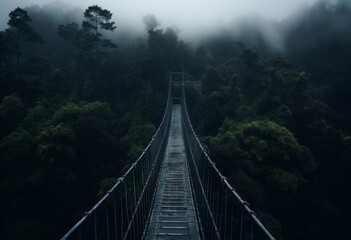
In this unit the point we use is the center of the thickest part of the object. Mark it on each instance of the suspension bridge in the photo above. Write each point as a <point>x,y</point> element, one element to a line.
<point>172,191</point>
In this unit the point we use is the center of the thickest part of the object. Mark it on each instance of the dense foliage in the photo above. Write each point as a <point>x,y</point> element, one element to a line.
<point>267,131</point>
<point>76,111</point>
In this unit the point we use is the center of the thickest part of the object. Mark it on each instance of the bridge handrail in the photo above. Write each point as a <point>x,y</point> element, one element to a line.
<point>223,179</point>
<point>162,130</point>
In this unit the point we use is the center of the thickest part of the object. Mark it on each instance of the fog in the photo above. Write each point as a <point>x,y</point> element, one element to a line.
<point>277,24</point>
<point>191,17</point>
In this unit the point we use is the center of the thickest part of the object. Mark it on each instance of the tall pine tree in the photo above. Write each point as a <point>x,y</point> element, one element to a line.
<point>98,19</point>
<point>20,30</point>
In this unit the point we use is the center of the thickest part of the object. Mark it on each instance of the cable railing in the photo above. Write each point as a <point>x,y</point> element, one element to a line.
<point>221,212</point>
<point>123,212</point>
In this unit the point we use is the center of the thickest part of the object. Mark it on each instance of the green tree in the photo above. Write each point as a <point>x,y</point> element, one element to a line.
<point>264,161</point>
<point>17,147</point>
<point>20,30</point>
<point>211,81</point>
<point>89,38</point>
<point>6,48</point>
<point>79,38</point>
<point>264,151</point>
<point>90,45</point>
<point>99,19</point>
<point>137,138</point>
<point>56,143</point>
<point>91,125</point>
<point>12,112</point>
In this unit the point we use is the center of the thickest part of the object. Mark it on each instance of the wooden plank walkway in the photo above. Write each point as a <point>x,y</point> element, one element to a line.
<point>173,215</point>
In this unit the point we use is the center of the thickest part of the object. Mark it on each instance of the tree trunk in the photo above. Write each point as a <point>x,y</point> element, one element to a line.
<point>18,49</point>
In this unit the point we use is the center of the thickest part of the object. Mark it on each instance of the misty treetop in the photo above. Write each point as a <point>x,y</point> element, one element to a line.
<point>151,22</point>
<point>20,30</point>
<point>88,38</point>
<point>98,19</point>
<point>19,25</point>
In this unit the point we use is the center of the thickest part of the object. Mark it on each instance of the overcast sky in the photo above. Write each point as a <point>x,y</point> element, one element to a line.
<point>188,15</point>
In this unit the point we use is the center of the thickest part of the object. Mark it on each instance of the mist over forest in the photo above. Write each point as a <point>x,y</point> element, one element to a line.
<point>269,98</point>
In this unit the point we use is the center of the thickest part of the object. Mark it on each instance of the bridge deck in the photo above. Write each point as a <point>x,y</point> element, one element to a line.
<point>173,215</point>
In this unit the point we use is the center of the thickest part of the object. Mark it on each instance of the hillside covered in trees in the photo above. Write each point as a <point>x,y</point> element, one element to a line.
<point>79,101</point>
